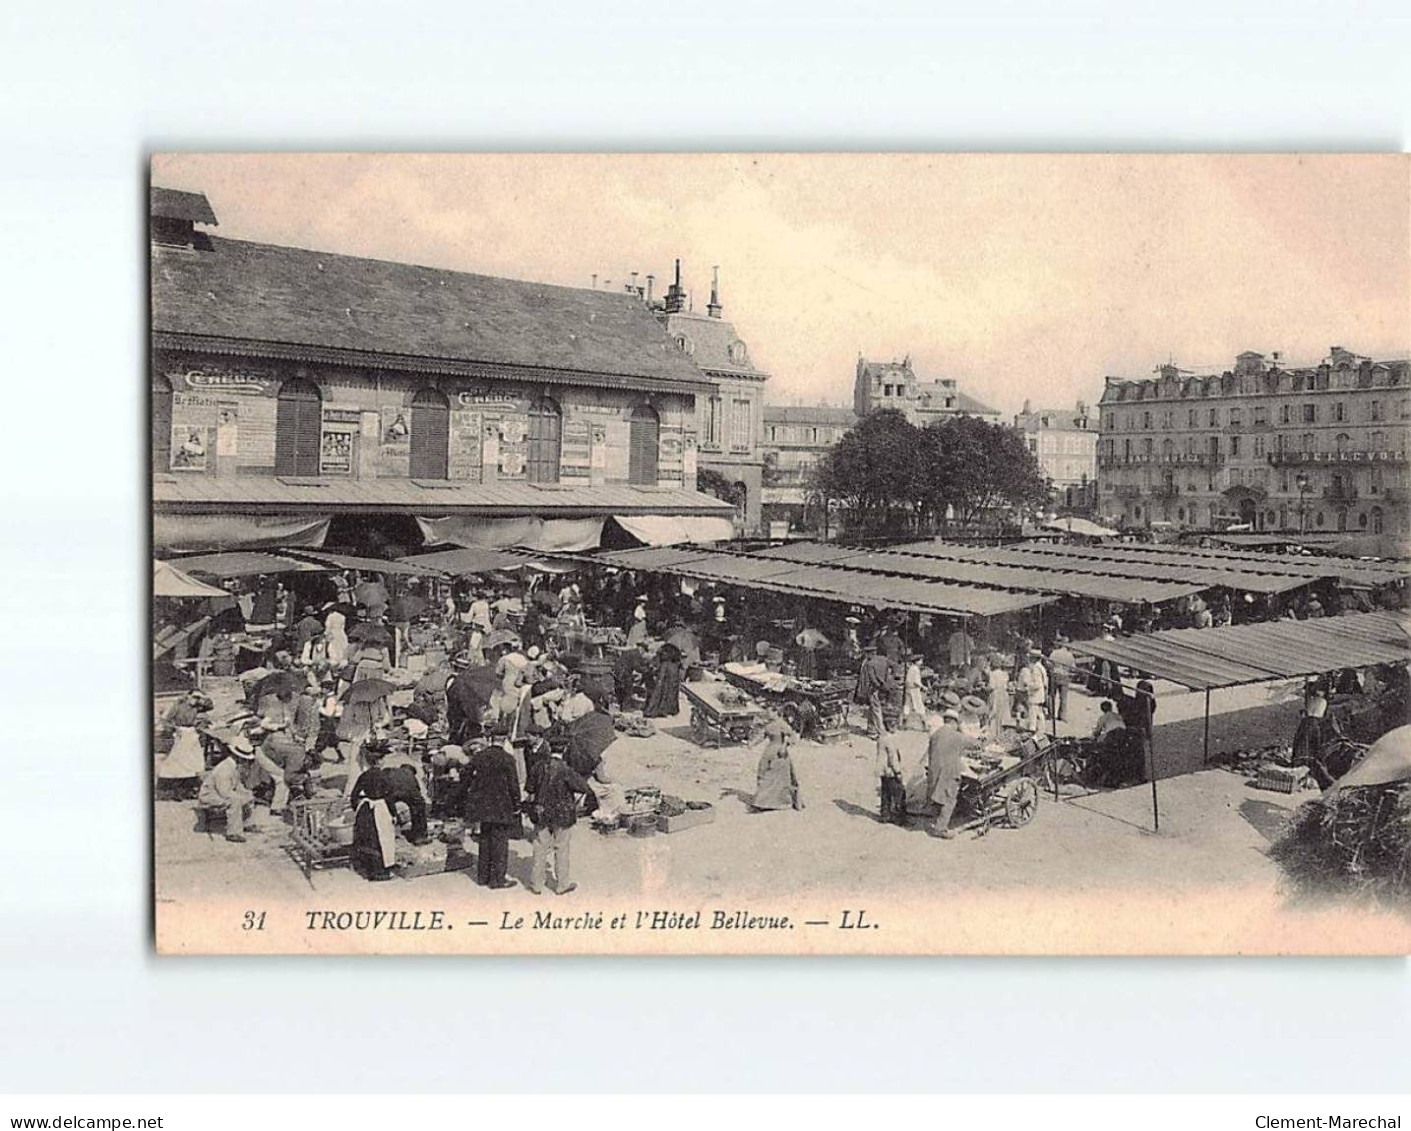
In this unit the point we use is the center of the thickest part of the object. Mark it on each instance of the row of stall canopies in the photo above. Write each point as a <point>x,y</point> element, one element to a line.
<point>932,576</point>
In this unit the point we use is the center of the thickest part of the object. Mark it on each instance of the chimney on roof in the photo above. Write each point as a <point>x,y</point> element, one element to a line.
<point>595,280</point>
<point>651,282</point>
<point>675,295</point>
<point>1028,407</point>
<point>713,307</point>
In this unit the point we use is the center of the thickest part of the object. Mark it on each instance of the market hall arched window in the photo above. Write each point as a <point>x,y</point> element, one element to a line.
<point>642,449</point>
<point>545,428</point>
<point>161,424</point>
<point>298,428</point>
<point>430,435</point>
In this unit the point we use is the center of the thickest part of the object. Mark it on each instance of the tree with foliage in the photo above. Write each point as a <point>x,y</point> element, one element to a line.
<point>874,469</point>
<point>971,467</point>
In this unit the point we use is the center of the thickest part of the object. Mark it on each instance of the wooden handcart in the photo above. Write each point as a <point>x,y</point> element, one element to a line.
<point>717,721</point>
<point>1006,792</point>
<point>816,709</point>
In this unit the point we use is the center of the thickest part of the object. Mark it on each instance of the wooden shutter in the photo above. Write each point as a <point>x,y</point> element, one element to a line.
<point>298,429</point>
<point>161,424</point>
<point>544,432</point>
<point>430,435</point>
<point>642,455</point>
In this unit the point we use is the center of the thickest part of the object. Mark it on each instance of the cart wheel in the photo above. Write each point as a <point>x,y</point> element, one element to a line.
<point>1021,802</point>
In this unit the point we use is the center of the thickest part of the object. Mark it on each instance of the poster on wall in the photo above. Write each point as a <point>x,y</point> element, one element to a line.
<point>227,432</point>
<point>575,450</point>
<point>513,430</point>
<point>335,454</point>
<point>394,440</point>
<point>193,426</point>
<point>464,450</point>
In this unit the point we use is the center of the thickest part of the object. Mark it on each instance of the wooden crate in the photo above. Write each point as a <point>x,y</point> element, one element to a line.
<point>687,820</point>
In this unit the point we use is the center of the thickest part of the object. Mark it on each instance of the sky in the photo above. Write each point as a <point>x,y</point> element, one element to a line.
<point>1024,277</point>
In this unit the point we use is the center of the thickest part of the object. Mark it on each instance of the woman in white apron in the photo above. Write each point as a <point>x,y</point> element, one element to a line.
<point>374,825</point>
<point>179,771</point>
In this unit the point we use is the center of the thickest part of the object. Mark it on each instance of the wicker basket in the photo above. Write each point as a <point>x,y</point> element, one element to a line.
<point>1281,779</point>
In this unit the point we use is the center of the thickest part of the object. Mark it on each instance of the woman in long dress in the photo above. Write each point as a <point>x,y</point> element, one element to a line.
<point>664,701</point>
<point>776,782</point>
<point>1000,714</point>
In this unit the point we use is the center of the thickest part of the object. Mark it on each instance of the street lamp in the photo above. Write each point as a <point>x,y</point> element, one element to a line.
<point>1302,481</point>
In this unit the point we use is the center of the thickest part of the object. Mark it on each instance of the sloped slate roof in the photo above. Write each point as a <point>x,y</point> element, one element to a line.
<point>172,204</point>
<point>263,293</point>
<point>808,414</point>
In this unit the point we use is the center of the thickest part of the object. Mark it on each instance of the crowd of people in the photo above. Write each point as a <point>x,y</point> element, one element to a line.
<point>522,684</point>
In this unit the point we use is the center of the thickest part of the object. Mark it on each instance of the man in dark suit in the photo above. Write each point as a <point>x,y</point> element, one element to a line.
<point>492,800</point>
<point>553,810</point>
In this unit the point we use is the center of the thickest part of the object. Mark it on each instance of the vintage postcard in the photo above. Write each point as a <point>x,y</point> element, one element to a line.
<point>780,554</point>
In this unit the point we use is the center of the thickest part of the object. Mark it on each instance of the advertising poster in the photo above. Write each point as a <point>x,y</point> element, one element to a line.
<point>394,440</point>
<point>335,455</point>
<point>575,450</point>
<point>513,431</point>
<point>193,426</point>
<point>464,454</point>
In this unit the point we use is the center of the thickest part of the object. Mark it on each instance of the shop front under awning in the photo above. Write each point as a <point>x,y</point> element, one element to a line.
<point>1207,658</point>
<point>676,530</point>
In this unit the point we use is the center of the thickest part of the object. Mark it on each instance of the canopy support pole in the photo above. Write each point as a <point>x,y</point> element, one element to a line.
<point>1205,757</point>
<point>1151,771</point>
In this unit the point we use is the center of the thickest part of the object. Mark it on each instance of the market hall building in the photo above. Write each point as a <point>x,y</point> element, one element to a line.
<point>302,398</point>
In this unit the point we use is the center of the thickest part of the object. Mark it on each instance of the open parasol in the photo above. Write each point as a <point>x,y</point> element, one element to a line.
<point>169,581</point>
<point>368,691</point>
<point>370,634</point>
<point>277,683</point>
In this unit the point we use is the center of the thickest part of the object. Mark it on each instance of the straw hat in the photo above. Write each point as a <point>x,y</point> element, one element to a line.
<point>972,704</point>
<point>240,746</point>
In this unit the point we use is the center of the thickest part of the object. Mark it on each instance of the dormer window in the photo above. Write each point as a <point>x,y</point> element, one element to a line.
<point>685,345</point>
<point>738,354</point>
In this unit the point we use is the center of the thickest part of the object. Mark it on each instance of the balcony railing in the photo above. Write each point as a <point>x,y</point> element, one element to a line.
<point>1300,458</point>
<point>1186,459</point>
<point>1165,491</point>
<point>1128,491</point>
<point>1345,492</point>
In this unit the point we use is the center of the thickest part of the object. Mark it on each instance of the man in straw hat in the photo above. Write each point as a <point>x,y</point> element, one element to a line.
<point>226,787</point>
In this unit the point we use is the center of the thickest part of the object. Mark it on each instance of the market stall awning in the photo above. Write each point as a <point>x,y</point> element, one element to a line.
<point>404,567</point>
<point>650,559</point>
<point>777,575</point>
<point>168,581</point>
<point>976,572</point>
<point>467,560</point>
<point>1206,658</point>
<point>530,532</point>
<point>675,530</point>
<point>244,563</point>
